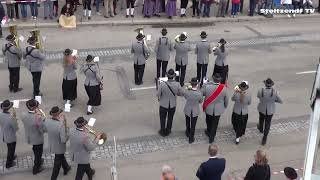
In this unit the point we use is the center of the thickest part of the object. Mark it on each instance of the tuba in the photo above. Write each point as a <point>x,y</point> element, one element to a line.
<point>36,34</point>
<point>103,138</point>
<point>13,31</point>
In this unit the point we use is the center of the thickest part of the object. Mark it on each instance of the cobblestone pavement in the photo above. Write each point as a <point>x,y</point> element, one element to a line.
<point>155,143</point>
<point>122,51</point>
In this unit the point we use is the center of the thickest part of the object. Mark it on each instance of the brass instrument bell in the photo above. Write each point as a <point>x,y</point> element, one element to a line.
<point>139,30</point>
<point>13,31</point>
<point>36,33</point>
<point>103,138</point>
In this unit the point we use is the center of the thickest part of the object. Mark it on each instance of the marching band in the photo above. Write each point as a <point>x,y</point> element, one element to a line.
<point>170,84</point>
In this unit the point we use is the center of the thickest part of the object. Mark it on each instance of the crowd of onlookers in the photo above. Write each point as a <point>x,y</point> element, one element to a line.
<point>215,166</point>
<point>150,7</point>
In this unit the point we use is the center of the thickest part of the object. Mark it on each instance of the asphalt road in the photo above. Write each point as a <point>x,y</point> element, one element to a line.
<point>132,111</point>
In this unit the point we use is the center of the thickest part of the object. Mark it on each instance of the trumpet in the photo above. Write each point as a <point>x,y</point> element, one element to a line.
<point>103,137</point>
<point>13,31</point>
<point>36,34</point>
<point>42,113</point>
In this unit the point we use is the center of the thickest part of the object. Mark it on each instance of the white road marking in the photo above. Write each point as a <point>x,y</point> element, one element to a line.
<point>142,88</point>
<point>21,100</point>
<point>306,72</point>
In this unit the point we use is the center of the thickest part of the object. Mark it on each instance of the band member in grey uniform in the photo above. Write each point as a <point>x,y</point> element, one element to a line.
<point>69,84</point>
<point>203,49</point>
<point>13,55</point>
<point>268,97</point>
<point>57,138</point>
<point>34,60</point>
<point>221,63</point>
<point>9,128</point>
<point>80,146</point>
<point>242,99</point>
<point>216,108</point>
<point>167,97</point>
<point>193,98</point>
<point>182,48</point>
<point>140,53</point>
<point>34,128</point>
<point>163,48</point>
<point>92,83</point>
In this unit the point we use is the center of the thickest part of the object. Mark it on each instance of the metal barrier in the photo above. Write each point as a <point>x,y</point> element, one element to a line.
<point>114,174</point>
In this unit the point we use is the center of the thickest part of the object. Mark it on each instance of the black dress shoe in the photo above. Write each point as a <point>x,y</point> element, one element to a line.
<point>132,16</point>
<point>10,165</point>
<point>211,141</point>
<point>191,140</point>
<point>168,132</point>
<point>67,170</point>
<point>161,133</point>
<point>264,141</point>
<point>36,171</point>
<point>92,172</point>
<point>127,16</point>
<point>17,90</point>
<point>89,113</point>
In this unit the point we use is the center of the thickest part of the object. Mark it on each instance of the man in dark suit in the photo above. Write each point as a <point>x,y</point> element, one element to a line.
<point>214,167</point>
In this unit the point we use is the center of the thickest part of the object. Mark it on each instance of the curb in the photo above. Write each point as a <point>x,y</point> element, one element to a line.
<point>167,22</point>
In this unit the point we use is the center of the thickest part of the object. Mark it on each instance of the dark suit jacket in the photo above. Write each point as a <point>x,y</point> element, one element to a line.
<point>212,169</point>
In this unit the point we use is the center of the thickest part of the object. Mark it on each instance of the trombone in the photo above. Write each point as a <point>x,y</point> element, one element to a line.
<point>103,137</point>
<point>42,113</point>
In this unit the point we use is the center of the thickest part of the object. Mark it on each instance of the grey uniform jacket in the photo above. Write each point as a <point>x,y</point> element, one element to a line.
<point>194,98</point>
<point>9,127</point>
<point>218,106</point>
<point>34,128</point>
<point>268,98</point>
<point>91,71</point>
<point>57,136</point>
<point>241,107</point>
<point>80,146</point>
<point>69,72</point>
<point>166,97</point>
<point>34,60</point>
<point>137,49</point>
<point>202,51</point>
<point>12,54</point>
<point>221,59</point>
<point>182,50</point>
<point>163,48</point>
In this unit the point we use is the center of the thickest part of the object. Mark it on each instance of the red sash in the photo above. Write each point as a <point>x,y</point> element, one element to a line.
<point>212,97</point>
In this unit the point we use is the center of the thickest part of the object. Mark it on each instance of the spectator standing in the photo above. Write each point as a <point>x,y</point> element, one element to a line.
<point>109,8</point>
<point>10,10</point>
<point>242,99</point>
<point>288,5</point>
<point>183,6</point>
<point>48,9</point>
<point>148,8</point>
<point>24,10</point>
<point>130,8</point>
<point>290,173</point>
<point>67,18</point>
<point>87,7</point>
<point>2,14</point>
<point>235,8</point>
<point>16,8</point>
<point>214,167</point>
<point>195,8</point>
<point>158,8</point>
<point>171,8</point>
<point>241,6</point>
<point>222,8</point>
<point>34,10</point>
<point>260,170</point>
<point>206,7</point>
<point>252,7</point>
<point>97,2</point>
<point>56,8</point>
<point>167,173</point>
<point>268,97</point>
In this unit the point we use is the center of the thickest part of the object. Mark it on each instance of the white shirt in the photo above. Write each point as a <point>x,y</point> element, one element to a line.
<point>286,1</point>
<point>213,157</point>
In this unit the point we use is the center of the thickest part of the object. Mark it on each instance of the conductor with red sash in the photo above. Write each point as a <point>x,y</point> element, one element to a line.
<point>215,103</point>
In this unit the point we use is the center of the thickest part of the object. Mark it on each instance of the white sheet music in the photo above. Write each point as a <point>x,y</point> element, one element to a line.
<point>39,99</point>
<point>16,104</point>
